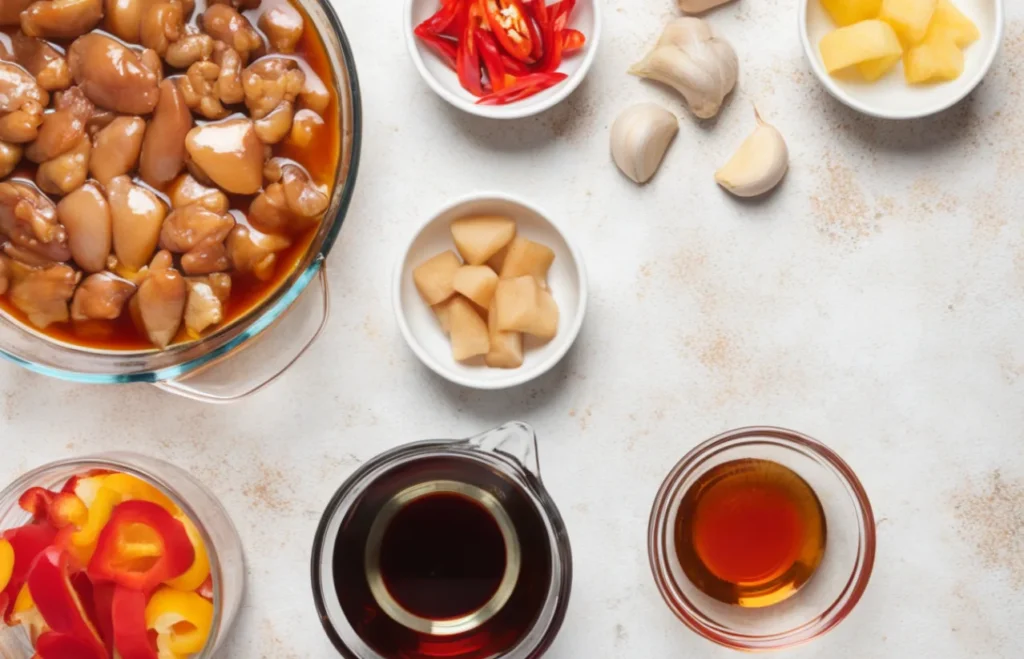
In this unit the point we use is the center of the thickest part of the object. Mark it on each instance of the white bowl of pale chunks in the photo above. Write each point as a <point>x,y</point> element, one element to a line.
<point>490,293</point>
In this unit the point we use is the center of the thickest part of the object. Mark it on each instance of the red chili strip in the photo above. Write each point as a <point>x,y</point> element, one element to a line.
<point>443,47</point>
<point>440,21</point>
<point>523,87</point>
<point>572,40</point>
<point>467,60</point>
<point>491,55</point>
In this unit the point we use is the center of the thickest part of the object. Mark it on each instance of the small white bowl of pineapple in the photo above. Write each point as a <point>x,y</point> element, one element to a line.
<point>901,59</point>
<point>473,255</point>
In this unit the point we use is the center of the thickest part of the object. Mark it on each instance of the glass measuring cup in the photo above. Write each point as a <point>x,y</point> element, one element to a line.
<point>498,472</point>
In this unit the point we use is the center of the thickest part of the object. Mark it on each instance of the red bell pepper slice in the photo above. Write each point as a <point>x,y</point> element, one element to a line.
<point>28,542</point>
<point>103,604</point>
<point>49,584</point>
<point>523,87</point>
<point>128,611</point>
<point>141,526</point>
<point>59,509</point>
<point>572,40</point>
<point>492,58</point>
<point>54,645</point>
<point>36,502</point>
<point>439,22</point>
<point>443,47</point>
<point>510,23</point>
<point>467,59</point>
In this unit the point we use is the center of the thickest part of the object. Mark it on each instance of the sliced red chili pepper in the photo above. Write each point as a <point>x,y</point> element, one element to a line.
<point>492,59</point>
<point>28,542</point>
<point>51,588</point>
<point>514,66</point>
<point>444,16</point>
<point>535,37</point>
<point>141,547</point>
<point>561,11</point>
<point>523,87</point>
<point>540,12</point>
<point>572,40</point>
<point>511,25</point>
<point>467,59</point>
<point>553,48</point>
<point>444,48</point>
<point>128,611</point>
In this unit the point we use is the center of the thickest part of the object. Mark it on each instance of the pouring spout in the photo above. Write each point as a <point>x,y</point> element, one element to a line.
<point>515,440</point>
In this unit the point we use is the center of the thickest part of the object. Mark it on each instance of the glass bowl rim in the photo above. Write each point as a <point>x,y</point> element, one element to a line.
<point>122,461</point>
<point>836,612</point>
<point>277,302</point>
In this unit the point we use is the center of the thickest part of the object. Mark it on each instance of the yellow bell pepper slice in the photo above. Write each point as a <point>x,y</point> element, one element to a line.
<point>182,620</point>
<point>83,541</point>
<point>6,563</point>
<point>27,615</point>
<point>134,488</point>
<point>194,577</point>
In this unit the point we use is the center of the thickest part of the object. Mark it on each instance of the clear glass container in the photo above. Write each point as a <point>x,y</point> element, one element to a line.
<point>260,344</point>
<point>510,454</point>
<point>832,591</point>
<point>223,545</point>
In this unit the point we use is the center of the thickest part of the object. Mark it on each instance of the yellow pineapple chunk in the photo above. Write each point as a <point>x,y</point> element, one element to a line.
<point>873,43</point>
<point>937,60</point>
<point>950,22</point>
<point>848,12</point>
<point>876,68</point>
<point>910,18</point>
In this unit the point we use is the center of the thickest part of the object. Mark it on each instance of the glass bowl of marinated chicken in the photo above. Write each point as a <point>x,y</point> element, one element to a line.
<point>173,174</point>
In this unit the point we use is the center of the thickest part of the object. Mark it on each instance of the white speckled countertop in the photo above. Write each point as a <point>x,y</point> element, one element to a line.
<point>875,302</point>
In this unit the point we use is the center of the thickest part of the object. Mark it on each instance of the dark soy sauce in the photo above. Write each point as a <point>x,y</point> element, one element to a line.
<point>442,556</point>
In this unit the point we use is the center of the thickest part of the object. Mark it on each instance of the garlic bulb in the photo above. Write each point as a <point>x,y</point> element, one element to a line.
<point>695,61</point>
<point>699,6</point>
<point>640,137</point>
<point>758,165</point>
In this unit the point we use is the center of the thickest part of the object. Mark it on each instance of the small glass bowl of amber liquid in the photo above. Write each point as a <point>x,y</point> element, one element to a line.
<point>761,539</point>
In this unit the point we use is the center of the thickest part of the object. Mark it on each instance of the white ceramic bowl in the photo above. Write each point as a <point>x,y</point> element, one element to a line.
<point>891,97</point>
<point>586,17</point>
<point>567,280</point>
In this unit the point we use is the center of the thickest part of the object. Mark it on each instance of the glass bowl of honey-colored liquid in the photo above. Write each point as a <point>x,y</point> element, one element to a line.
<point>761,539</point>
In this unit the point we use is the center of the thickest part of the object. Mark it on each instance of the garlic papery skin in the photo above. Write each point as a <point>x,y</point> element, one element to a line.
<point>699,6</point>
<point>640,137</point>
<point>691,58</point>
<point>758,165</point>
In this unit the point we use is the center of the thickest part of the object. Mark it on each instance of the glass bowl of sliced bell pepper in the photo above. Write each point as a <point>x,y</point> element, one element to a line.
<point>115,555</point>
<point>503,59</point>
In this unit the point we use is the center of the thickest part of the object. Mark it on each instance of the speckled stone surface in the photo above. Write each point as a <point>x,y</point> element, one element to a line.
<point>875,302</point>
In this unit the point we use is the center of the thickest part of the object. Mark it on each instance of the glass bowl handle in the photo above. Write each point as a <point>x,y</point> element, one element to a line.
<point>263,359</point>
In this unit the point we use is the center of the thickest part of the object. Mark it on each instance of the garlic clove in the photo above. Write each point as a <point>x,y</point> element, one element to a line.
<point>758,165</point>
<point>699,6</point>
<point>640,137</point>
<point>694,60</point>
